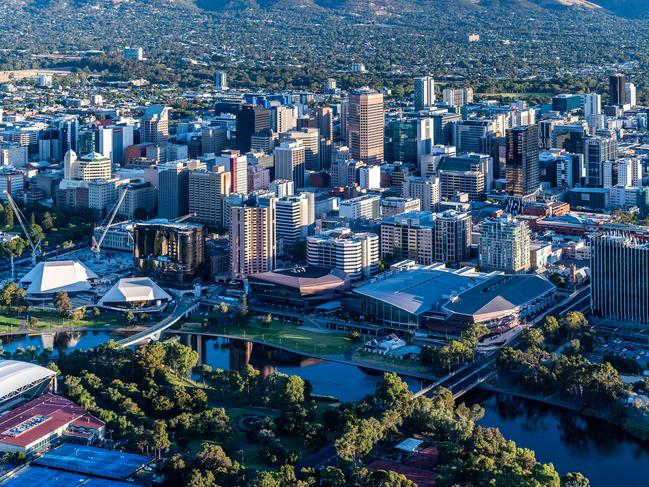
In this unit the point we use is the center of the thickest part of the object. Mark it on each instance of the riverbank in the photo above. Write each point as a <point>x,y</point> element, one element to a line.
<point>49,320</point>
<point>635,426</point>
<point>287,340</point>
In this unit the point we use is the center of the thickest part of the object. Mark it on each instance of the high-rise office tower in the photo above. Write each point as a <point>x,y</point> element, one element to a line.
<point>309,138</point>
<point>474,136</point>
<point>213,140</point>
<point>154,126</point>
<point>597,150</point>
<point>330,86</point>
<point>504,245</point>
<point>220,80</point>
<point>630,94</point>
<point>173,195</point>
<point>424,92</point>
<point>620,280</point>
<point>250,120</point>
<point>206,192</point>
<point>295,217</point>
<point>68,129</point>
<point>616,89</point>
<point>522,160</point>
<point>592,104</point>
<point>324,122</point>
<point>252,238</point>
<point>105,145</point>
<point>365,126</point>
<point>344,121</point>
<point>237,165</point>
<point>282,118</point>
<point>289,162</point>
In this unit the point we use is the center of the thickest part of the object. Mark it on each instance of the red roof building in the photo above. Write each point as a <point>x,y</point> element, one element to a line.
<point>35,425</point>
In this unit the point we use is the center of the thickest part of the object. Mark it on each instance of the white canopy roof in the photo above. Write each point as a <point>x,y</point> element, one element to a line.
<point>16,376</point>
<point>64,275</point>
<point>134,289</point>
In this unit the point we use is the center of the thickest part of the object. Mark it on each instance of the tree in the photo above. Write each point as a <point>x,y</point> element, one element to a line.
<point>358,441</point>
<point>285,389</point>
<point>95,312</point>
<point>213,457</point>
<point>550,326</point>
<point>531,337</point>
<point>201,479</point>
<point>224,309</point>
<point>332,477</point>
<point>381,478</point>
<point>8,294</point>
<point>150,358</point>
<point>62,303</point>
<point>9,219</point>
<point>130,317</point>
<point>159,438</point>
<point>391,390</point>
<point>47,222</point>
<point>33,322</point>
<point>180,358</point>
<point>244,306</point>
<point>574,479</point>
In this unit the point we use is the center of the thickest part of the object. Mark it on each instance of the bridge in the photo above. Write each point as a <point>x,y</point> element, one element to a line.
<point>181,310</point>
<point>475,373</point>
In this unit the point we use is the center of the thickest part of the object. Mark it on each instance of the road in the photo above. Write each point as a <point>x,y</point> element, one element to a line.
<point>475,373</point>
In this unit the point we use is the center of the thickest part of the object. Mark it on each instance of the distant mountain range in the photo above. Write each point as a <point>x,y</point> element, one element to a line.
<point>625,8</point>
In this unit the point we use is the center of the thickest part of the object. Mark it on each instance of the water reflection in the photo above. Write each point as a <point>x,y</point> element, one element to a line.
<point>346,382</point>
<point>59,342</point>
<point>569,440</point>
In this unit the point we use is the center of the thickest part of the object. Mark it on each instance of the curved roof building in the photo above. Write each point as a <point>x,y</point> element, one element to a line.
<point>23,379</point>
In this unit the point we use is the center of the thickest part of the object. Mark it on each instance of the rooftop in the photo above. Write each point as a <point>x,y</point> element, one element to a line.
<point>15,375</point>
<point>421,288</point>
<point>499,294</point>
<point>134,289</point>
<point>54,276</point>
<point>40,418</point>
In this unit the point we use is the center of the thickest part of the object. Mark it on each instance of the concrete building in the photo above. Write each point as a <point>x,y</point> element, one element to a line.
<point>253,247</point>
<point>424,95</point>
<point>452,237</point>
<point>237,165</point>
<point>365,126</point>
<point>290,162</point>
<point>426,190</point>
<point>522,166</point>
<point>294,217</point>
<point>366,206</point>
<point>394,205</point>
<point>207,190</point>
<point>173,194</point>
<point>469,173</point>
<point>154,126</point>
<point>597,150</point>
<point>356,254</point>
<point>504,245</point>
<point>309,138</point>
<point>141,196</point>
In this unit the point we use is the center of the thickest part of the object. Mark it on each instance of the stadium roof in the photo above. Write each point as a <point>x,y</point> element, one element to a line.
<point>501,294</point>
<point>420,289</point>
<point>16,377</point>
<point>64,275</point>
<point>134,289</point>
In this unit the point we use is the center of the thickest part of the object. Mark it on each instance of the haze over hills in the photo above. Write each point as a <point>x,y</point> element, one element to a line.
<point>626,8</point>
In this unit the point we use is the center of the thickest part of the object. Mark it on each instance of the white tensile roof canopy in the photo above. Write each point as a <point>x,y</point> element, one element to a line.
<point>134,289</point>
<point>16,377</point>
<point>64,275</point>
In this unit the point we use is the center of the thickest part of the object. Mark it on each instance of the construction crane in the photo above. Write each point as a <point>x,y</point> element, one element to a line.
<point>96,244</point>
<point>36,247</point>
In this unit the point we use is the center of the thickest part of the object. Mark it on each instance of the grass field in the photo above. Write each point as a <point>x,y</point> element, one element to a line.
<point>362,357</point>
<point>51,319</point>
<point>289,335</point>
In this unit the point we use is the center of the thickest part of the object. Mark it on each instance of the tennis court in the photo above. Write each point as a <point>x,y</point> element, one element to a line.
<point>39,476</point>
<point>115,465</point>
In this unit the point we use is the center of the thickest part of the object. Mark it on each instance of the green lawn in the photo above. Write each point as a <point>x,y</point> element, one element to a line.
<point>289,335</point>
<point>379,360</point>
<point>50,319</point>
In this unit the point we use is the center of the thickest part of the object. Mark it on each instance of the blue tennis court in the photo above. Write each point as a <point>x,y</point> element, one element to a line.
<point>98,462</point>
<point>39,476</point>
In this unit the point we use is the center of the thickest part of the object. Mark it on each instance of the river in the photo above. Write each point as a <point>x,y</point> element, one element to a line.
<point>572,442</point>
